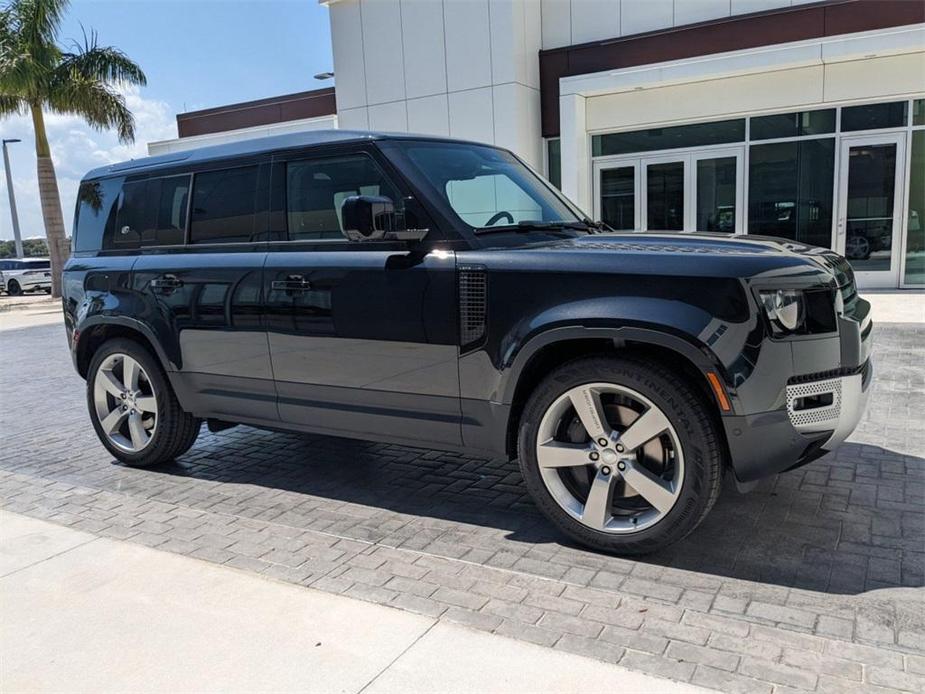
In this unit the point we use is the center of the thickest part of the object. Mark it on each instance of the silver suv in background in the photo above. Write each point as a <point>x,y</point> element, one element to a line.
<point>25,275</point>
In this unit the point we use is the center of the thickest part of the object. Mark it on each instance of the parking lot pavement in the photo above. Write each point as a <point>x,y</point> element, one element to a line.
<point>812,582</point>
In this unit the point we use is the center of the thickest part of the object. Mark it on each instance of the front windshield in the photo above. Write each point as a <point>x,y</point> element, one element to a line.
<point>487,187</point>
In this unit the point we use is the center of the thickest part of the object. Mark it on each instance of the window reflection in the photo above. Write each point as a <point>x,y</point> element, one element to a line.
<point>716,194</point>
<point>665,196</point>
<point>790,190</point>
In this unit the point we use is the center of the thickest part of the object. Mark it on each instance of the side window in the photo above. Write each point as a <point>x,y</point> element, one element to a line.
<point>316,190</point>
<point>169,199</point>
<point>96,209</point>
<point>131,217</point>
<point>224,206</point>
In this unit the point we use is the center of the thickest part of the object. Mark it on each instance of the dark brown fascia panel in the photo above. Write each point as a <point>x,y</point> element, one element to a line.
<point>719,36</point>
<point>277,109</point>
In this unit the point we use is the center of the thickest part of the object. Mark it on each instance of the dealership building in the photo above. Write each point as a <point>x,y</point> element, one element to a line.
<point>775,117</point>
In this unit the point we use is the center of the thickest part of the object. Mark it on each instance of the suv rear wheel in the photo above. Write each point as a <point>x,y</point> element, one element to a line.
<point>620,453</point>
<point>133,408</point>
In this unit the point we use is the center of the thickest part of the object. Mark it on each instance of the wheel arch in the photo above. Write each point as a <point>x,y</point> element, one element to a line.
<point>555,347</point>
<point>98,330</point>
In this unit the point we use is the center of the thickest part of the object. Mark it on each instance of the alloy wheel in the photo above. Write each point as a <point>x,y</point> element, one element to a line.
<point>610,458</point>
<point>125,402</point>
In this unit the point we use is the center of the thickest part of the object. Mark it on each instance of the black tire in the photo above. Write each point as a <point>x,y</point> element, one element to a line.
<point>176,429</point>
<point>689,416</point>
<point>187,438</point>
<point>13,288</point>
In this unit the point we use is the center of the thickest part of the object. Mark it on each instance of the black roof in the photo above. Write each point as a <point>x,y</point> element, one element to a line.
<point>253,146</point>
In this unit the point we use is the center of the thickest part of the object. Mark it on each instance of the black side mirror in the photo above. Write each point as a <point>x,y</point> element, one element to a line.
<point>367,217</point>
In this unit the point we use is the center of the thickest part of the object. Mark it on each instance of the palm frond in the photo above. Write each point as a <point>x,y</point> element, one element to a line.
<point>39,21</point>
<point>103,63</point>
<point>10,105</point>
<point>100,105</point>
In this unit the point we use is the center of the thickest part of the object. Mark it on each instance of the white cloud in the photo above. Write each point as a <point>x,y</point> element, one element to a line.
<point>75,148</point>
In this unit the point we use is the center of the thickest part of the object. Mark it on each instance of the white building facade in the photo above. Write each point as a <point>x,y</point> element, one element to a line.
<point>776,117</point>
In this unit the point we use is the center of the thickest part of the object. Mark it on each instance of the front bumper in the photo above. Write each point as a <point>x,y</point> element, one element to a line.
<point>833,405</point>
<point>773,442</point>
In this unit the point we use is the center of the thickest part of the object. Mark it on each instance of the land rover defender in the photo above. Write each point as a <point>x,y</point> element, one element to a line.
<point>439,293</point>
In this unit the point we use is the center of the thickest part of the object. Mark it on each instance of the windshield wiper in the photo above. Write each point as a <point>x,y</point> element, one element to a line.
<point>537,225</point>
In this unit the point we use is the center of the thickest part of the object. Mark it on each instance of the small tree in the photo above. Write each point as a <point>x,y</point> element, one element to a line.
<point>36,74</point>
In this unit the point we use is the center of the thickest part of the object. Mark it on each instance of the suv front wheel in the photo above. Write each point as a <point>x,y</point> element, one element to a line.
<point>133,408</point>
<point>620,453</point>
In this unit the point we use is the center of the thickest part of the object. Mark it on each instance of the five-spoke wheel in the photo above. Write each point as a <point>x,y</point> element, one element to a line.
<point>620,453</point>
<point>133,407</point>
<point>610,457</point>
<point>125,403</point>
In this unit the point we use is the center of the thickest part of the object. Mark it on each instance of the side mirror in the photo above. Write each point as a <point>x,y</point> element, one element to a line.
<point>367,217</point>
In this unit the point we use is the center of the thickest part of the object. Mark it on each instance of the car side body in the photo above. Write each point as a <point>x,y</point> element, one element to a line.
<point>25,275</point>
<point>439,342</point>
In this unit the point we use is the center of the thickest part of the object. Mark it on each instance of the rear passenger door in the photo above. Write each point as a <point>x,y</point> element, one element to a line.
<point>202,240</point>
<point>362,334</point>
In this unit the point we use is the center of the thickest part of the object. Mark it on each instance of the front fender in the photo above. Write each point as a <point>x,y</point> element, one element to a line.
<point>710,340</point>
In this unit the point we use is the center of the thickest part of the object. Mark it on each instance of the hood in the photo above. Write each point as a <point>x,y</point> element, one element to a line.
<point>697,254</point>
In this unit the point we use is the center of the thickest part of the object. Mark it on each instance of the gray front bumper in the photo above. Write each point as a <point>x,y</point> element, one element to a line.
<point>846,399</point>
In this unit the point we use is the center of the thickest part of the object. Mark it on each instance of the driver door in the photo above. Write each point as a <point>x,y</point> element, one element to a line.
<point>362,334</point>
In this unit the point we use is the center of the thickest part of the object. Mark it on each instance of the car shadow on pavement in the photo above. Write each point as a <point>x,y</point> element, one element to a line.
<point>851,522</point>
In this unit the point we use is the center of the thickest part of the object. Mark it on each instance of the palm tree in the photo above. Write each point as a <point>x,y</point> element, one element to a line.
<point>38,75</point>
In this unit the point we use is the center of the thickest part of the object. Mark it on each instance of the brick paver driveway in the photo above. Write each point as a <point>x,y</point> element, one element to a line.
<point>812,582</point>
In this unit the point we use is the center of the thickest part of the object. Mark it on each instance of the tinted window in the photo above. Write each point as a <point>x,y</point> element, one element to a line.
<point>168,199</point>
<point>131,217</point>
<point>316,190</point>
<point>35,264</point>
<point>554,158</point>
<point>873,116</point>
<point>694,135</point>
<point>95,213</point>
<point>790,190</point>
<point>793,124</point>
<point>224,206</point>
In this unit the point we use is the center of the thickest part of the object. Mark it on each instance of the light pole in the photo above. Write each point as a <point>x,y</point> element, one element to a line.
<point>17,239</point>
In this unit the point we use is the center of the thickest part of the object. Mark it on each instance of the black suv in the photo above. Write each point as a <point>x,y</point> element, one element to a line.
<point>439,293</point>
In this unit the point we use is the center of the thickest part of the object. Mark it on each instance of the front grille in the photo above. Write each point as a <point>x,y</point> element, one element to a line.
<point>473,305</point>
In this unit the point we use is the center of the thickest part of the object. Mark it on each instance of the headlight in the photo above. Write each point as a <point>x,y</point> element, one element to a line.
<point>785,309</point>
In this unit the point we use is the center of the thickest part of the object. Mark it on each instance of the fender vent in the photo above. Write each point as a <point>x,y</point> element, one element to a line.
<point>473,305</point>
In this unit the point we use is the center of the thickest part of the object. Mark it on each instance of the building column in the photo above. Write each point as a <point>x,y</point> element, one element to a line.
<point>576,163</point>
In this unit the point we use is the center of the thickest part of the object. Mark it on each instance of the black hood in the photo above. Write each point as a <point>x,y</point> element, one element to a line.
<point>688,254</point>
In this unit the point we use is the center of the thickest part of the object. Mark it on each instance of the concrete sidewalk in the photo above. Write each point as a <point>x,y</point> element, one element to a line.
<point>81,613</point>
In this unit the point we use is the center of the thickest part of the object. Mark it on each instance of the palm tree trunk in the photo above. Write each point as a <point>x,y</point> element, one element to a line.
<point>58,248</point>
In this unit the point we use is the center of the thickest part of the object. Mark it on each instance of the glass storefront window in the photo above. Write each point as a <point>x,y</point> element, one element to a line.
<point>665,196</point>
<point>918,112</point>
<point>618,198</point>
<point>716,194</point>
<point>869,206</point>
<point>675,137</point>
<point>554,162</point>
<point>873,116</point>
<point>793,124</point>
<point>915,239</point>
<point>790,190</point>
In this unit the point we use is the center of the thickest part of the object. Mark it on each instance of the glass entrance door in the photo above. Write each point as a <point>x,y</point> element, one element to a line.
<point>869,224</point>
<point>677,191</point>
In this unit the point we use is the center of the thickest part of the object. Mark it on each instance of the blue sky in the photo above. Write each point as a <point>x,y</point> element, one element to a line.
<point>196,54</point>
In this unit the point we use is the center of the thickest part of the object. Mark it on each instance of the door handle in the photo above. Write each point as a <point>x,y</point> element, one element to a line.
<point>166,284</point>
<point>293,283</point>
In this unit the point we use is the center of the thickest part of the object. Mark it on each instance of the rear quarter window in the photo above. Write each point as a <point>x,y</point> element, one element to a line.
<point>95,212</point>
